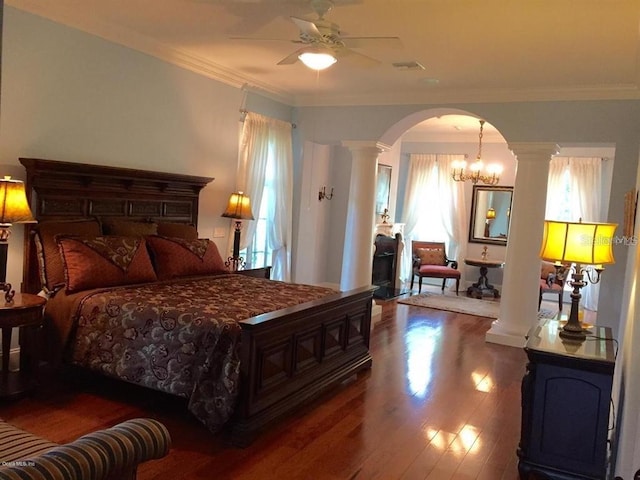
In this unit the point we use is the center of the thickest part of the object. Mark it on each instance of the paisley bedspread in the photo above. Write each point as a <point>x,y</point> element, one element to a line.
<point>181,337</point>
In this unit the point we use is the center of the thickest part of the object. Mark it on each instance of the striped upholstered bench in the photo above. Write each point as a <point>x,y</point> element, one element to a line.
<point>113,453</point>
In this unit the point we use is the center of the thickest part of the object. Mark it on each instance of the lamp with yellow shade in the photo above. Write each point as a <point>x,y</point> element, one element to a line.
<point>588,246</point>
<point>491,216</point>
<point>238,208</point>
<point>14,208</point>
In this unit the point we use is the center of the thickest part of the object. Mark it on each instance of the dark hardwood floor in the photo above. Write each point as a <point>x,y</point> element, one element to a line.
<point>439,403</point>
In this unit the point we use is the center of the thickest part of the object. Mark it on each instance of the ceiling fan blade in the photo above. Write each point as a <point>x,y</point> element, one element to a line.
<point>356,58</point>
<point>372,42</point>
<point>307,27</point>
<point>291,58</point>
<point>262,39</point>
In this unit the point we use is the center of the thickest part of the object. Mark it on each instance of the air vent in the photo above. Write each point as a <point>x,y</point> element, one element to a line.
<point>413,65</point>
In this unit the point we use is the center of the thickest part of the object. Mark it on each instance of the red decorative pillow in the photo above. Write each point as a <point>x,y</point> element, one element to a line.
<point>49,260</point>
<point>176,257</point>
<point>104,261</point>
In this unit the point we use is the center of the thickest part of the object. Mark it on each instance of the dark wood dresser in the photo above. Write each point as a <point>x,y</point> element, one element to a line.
<point>566,397</point>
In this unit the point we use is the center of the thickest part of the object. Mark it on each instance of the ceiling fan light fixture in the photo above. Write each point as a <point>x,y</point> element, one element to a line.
<point>317,60</point>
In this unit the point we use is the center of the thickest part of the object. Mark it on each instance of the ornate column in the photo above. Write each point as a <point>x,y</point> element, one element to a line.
<point>520,285</point>
<point>356,257</point>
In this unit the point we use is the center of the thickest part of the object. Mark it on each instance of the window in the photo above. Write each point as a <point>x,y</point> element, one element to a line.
<point>258,254</point>
<point>430,224</point>
<point>264,172</point>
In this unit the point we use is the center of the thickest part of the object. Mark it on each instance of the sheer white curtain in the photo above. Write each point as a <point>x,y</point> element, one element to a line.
<point>422,171</point>
<point>433,202</point>
<point>557,192</point>
<point>586,177</point>
<point>266,143</point>
<point>574,192</point>
<point>452,209</point>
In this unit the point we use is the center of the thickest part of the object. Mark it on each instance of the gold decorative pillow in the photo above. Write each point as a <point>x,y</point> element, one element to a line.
<point>431,256</point>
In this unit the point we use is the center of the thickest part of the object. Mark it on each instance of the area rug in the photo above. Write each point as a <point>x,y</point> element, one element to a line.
<point>461,304</point>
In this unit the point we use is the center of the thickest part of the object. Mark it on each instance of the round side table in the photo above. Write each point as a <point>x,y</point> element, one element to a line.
<point>26,313</point>
<point>482,287</point>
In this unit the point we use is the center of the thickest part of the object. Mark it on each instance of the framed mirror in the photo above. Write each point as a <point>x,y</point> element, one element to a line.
<point>490,211</point>
<point>383,188</point>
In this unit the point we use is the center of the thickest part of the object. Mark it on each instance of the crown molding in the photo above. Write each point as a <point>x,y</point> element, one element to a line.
<point>444,96</point>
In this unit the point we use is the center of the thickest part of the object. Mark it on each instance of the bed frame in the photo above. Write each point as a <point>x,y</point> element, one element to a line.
<point>288,357</point>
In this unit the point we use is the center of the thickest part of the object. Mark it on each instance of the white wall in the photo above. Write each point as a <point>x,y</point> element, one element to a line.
<point>312,245</point>
<point>626,386</point>
<point>70,96</point>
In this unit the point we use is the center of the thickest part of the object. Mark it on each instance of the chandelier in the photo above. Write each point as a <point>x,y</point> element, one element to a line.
<point>475,173</point>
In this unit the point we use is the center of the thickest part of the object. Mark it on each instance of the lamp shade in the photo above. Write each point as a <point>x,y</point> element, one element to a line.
<point>239,207</point>
<point>491,213</point>
<point>14,207</point>
<point>317,58</point>
<point>582,243</point>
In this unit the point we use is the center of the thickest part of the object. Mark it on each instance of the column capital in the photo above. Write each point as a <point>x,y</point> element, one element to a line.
<point>363,145</point>
<point>534,150</point>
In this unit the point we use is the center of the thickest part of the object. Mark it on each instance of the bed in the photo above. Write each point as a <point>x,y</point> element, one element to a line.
<point>143,299</point>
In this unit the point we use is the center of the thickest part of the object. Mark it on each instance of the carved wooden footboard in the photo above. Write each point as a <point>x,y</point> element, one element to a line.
<point>296,354</point>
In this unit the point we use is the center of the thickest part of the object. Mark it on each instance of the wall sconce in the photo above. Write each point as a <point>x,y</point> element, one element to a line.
<point>322,194</point>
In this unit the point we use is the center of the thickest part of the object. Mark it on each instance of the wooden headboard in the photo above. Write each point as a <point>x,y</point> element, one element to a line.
<point>65,190</point>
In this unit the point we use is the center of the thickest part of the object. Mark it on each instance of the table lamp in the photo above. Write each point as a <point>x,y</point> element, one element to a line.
<point>589,247</point>
<point>238,208</point>
<point>14,208</point>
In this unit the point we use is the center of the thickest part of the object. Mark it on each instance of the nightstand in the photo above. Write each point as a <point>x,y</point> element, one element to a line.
<point>566,396</point>
<point>262,272</point>
<point>25,313</point>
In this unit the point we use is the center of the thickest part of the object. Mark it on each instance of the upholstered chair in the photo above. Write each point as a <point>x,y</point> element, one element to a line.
<point>552,281</point>
<point>430,260</point>
<point>109,454</point>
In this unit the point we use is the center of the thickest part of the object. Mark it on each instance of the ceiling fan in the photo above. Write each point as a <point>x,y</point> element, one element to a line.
<point>322,41</point>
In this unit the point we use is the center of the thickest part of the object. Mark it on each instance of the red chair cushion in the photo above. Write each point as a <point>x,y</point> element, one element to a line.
<point>545,286</point>
<point>438,271</point>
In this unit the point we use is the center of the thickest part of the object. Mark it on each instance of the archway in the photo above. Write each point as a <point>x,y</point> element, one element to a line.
<point>444,133</point>
<point>521,254</point>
